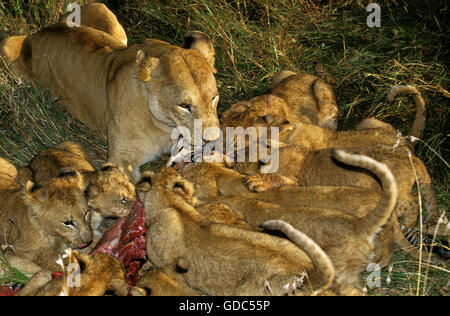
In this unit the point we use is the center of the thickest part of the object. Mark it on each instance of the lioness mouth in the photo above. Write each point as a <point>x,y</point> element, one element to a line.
<point>181,160</point>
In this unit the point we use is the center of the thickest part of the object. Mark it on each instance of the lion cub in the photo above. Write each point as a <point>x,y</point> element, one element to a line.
<point>305,158</point>
<point>98,274</point>
<point>38,222</point>
<point>296,98</point>
<point>8,175</point>
<point>98,16</point>
<point>339,233</point>
<point>109,192</point>
<point>218,259</point>
<point>110,196</point>
<point>226,189</point>
<point>159,282</point>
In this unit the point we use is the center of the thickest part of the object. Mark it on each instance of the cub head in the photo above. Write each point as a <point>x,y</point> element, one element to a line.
<point>165,189</point>
<point>60,207</point>
<point>180,84</point>
<point>262,111</point>
<point>111,193</point>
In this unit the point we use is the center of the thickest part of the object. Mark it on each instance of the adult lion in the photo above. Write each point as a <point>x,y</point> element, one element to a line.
<point>134,95</point>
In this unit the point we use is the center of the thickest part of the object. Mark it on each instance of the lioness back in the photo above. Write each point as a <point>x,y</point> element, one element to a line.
<point>88,70</point>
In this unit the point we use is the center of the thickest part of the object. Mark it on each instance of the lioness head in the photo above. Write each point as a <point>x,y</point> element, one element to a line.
<point>180,84</point>
<point>60,208</point>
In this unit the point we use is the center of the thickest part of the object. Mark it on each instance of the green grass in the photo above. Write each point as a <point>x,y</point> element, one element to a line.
<point>11,275</point>
<point>254,40</point>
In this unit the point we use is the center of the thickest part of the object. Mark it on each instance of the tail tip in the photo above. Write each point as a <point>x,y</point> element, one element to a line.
<point>397,89</point>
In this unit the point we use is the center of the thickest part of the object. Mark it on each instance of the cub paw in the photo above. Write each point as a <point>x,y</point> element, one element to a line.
<point>257,183</point>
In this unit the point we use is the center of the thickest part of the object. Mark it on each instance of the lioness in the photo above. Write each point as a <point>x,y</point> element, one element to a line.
<point>219,259</point>
<point>39,222</point>
<point>134,95</point>
<point>98,16</point>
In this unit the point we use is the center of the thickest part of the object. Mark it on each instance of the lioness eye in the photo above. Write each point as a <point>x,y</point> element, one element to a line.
<point>186,107</point>
<point>124,201</point>
<point>87,216</point>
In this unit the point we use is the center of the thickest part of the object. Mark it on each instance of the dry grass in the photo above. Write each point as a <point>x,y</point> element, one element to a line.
<point>254,40</point>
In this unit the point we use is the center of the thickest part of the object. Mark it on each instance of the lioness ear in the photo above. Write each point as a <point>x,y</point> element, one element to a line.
<point>145,65</point>
<point>202,43</point>
<point>144,185</point>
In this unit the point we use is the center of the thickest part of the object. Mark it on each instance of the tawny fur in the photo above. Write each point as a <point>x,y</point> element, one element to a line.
<point>47,164</point>
<point>98,16</point>
<point>298,98</point>
<point>347,239</point>
<point>37,223</point>
<point>159,282</point>
<point>98,274</point>
<point>307,159</point>
<point>219,259</point>
<point>133,95</point>
<point>8,175</point>
<point>109,191</point>
<point>110,197</point>
<point>215,184</point>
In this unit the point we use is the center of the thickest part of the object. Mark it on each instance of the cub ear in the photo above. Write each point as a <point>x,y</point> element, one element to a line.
<point>186,190</point>
<point>110,167</point>
<point>144,184</point>
<point>237,108</point>
<point>67,172</point>
<point>202,43</point>
<point>145,65</point>
<point>83,261</point>
<point>72,175</point>
<point>31,199</point>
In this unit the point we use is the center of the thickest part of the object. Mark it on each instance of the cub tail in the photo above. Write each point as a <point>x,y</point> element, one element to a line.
<point>319,258</point>
<point>419,122</point>
<point>372,223</point>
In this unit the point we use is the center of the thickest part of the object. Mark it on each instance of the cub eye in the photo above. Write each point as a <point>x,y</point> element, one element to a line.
<point>186,107</point>
<point>69,224</point>
<point>124,200</point>
<point>87,216</point>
